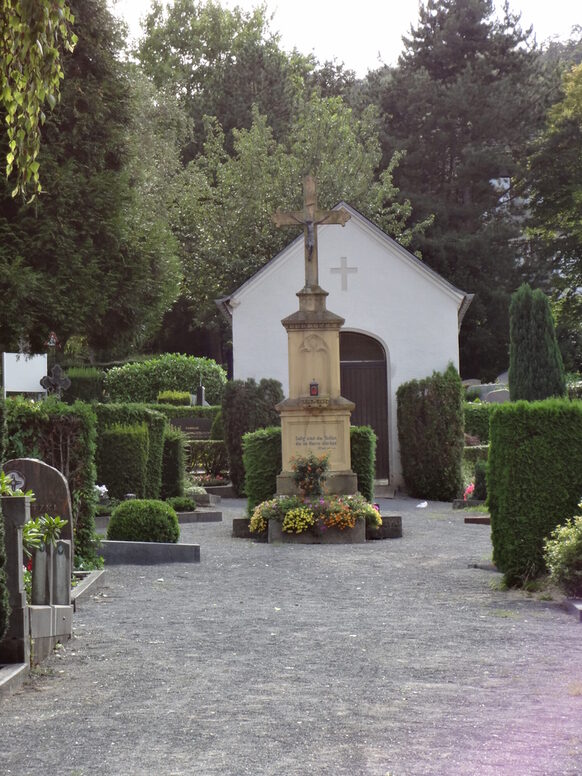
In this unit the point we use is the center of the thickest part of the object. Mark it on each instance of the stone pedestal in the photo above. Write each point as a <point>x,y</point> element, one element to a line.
<point>15,647</point>
<point>315,418</point>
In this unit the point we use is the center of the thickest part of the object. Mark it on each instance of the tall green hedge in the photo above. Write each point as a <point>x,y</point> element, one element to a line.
<point>477,419</point>
<point>4,599</point>
<point>263,461</point>
<point>130,415</point>
<point>86,384</point>
<point>64,436</point>
<point>430,432</point>
<point>122,456</point>
<point>247,406</point>
<point>363,455</point>
<point>536,370</point>
<point>207,454</point>
<point>142,381</point>
<point>173,463</point>
<point>534,480</point>
<point>2,429</point>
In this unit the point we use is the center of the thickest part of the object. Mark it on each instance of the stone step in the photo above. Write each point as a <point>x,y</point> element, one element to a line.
<point>383,489</point>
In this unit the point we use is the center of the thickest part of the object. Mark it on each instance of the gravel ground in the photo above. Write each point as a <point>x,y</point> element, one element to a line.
<point>397,657</point>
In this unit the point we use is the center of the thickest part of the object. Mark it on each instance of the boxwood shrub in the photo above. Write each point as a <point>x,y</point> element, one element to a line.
<point>142,381</point>
<point>262,463</point>
<point>173,463</point>
<point>430,432</point>
<point>156,422</point>
<point>86,384</point>
<point>143,520</point>
<point>363,455</point>
<point>122,456</point>
<point>534,480</point>
<point>176,398</point>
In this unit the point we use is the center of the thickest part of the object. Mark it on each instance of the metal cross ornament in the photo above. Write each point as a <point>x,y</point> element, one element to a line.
<point>56,382</point>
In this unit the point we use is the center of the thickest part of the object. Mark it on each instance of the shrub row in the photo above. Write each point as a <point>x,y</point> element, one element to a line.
<point>142,381</point>
<point>247,406</point>
<point>63,436</point>
<point>122,458</point>
<point>175,398</point>
<point>430,432</point>
<point>263,461</point>
<point>86,384</point>
<point>474,453</point>
<point>173,463</point>
<point>477,419</point>
<point>207,454</point>
<point>534,480</point>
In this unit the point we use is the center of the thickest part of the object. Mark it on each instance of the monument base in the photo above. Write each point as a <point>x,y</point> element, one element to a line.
<point>355,535</point>
<point>337,484</point>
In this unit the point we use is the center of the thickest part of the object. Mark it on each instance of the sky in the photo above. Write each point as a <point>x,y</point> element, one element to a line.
<point>366,33</point>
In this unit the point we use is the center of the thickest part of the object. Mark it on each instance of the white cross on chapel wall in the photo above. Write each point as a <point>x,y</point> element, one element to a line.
<point>344,271</point>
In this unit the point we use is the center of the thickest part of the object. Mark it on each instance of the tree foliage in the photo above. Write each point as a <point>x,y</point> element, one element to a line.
<point>32,35</point>
<point>536,370</point>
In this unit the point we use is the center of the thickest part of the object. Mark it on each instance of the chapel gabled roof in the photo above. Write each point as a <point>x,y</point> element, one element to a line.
<point>464,299</point>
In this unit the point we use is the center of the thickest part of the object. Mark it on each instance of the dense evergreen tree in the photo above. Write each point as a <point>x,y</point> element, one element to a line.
<point>536,370</point>
<point>92,258</point>
<point>461,104</point>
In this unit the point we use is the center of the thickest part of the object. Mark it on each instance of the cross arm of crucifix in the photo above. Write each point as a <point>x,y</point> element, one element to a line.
<point>321,217</point>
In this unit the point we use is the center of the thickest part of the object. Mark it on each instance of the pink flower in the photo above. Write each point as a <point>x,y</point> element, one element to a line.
<point>468,491</point>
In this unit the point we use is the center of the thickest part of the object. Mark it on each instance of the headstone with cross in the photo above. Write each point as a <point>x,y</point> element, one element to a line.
<point>315,418</point>
<point>310,218</point>
<point>56,382</point>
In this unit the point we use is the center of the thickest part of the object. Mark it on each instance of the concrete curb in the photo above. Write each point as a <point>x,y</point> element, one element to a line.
<point>91,583</point>
<point>574,606</point>
<point>200,516</point>
<point>117,553</point>
<point>12,677</point>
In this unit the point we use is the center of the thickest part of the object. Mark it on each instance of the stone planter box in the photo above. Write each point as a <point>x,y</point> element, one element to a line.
<point>206,499</point>
<point>391,528</point>
<point>148,553</point>
<point>199,516</point>
<point>354,535</point>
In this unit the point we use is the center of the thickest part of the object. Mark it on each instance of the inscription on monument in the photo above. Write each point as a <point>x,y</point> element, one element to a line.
<point>316,441</point>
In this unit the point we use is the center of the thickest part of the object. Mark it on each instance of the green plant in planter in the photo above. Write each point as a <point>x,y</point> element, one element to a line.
<point>563,556</point>
<point>310,473</point>
<point>43,530</point>
<point>181,504</point>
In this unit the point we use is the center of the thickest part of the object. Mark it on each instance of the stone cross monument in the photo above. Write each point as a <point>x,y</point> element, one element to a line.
<point>315,418</point>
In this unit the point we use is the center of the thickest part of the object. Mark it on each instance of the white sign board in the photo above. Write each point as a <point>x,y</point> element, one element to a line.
<point>22,373</point>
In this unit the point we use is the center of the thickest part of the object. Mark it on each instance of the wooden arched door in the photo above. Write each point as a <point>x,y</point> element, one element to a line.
<point>364,381</point>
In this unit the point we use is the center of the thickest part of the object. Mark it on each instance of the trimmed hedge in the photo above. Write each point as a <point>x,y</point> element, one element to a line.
<point>430,432</point>
<point>171,411</point>
<point>262,463</point>
<point>4,598</point>
<point>217,428</point>
<point>176,398</point>
<point>141,520</point>
<point>86,384</point>
<point>363,455</point>
<point>534,480</point>
<point>480,492</point>
<point>247,406</point>
<point>477,417</point>
<point>142,381</point>
<point>207,454</point>
<point>173,463</point>
<point>122,456</point>
<point>64,436</point>
<point>2,429</point>
<point>156,422</point>
<point>474,453</point>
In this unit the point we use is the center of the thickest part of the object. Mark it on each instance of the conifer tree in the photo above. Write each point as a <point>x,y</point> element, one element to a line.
<point>536,370</point>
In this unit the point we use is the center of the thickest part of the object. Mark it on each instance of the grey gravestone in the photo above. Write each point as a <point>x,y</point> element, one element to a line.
<point>56,382</point>
<point>50,488</point>
<point>499,396</point>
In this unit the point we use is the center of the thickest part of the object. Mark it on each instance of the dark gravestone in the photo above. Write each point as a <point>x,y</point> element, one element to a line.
<point>195,428</point>
<point>50,488</point>
<point>56,382</point>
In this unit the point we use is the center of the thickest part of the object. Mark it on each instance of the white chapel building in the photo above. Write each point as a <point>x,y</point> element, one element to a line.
<point>402,322</point>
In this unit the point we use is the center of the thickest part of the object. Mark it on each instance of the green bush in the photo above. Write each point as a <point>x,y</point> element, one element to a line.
<point>156,422</point>
<point>122,456</point>
<point>171,411</point>
<point>363,456</point>
<point>477,419</point>
<point>176,398</point>
<point>534,480</point>
<point>2,429</point>
<point>246,407</point>
<point>563,556</point>
<point>4,598</point>
<point>143,520</point>
<point>217,429</point>
<point>64,436</point>
<point>430,432</point>
<point>474,453</point>
<point>480,492</point>
<point>207,454</point>
<point>173,463</point>
<point>182,504</point>
<point>536,370</point>
<point>142,381</point>
<point>262,463</point>
<point>86,384</point>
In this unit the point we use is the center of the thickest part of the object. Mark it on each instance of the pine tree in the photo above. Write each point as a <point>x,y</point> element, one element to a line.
<point>536,370</point>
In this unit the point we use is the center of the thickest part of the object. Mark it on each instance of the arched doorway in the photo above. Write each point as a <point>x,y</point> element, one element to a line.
<point>364,381</point>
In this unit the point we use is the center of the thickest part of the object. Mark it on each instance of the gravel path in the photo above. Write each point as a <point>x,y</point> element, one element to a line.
<point>396,657</point>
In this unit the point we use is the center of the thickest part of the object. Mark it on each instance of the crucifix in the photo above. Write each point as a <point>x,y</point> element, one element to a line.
<point>310,218</point>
